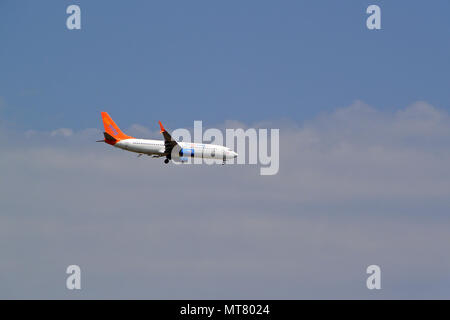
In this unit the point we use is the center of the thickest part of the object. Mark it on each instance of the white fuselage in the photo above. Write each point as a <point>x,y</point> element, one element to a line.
<point>188,150</point>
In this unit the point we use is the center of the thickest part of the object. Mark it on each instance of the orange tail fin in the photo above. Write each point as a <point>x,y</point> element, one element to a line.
<point>112,129</point>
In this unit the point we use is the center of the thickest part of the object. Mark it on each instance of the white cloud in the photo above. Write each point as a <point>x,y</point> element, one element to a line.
<point>64,132</point>
<point>356,187</point>
<point>140,131</point>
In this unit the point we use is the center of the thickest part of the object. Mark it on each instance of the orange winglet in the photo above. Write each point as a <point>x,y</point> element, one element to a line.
<point>162,128</point>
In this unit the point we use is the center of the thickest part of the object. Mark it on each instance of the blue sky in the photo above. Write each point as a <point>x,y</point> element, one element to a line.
<point>180,61</point>
<point>364,149</point>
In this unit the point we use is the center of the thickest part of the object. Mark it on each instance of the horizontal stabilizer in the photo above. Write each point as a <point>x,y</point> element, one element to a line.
<point>108,137</point>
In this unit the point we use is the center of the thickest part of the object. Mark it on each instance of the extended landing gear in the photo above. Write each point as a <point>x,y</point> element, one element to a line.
<point>166,161</point>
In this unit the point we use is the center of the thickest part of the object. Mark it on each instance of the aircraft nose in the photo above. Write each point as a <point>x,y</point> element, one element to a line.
<point>231,154</point>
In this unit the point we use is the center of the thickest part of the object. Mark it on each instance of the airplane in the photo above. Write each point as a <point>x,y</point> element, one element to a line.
<point>168,148</point>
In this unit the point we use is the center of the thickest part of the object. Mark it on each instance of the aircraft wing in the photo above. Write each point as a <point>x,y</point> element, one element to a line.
<point>169,142</point>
